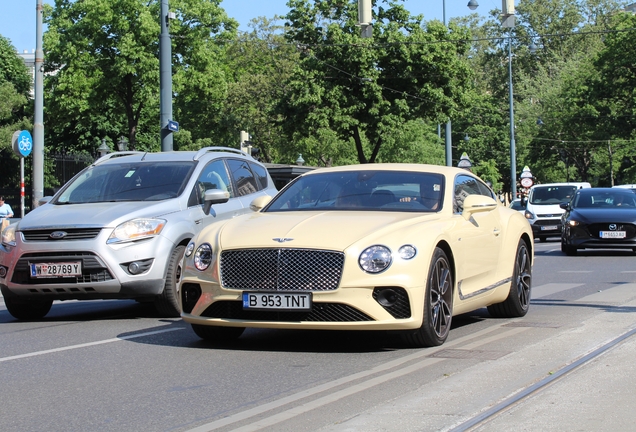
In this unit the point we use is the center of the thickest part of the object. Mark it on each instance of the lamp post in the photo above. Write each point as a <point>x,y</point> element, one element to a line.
<point>508,21</point>
<point>472,5</point>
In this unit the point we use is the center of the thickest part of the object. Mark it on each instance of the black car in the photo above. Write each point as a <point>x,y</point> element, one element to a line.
<point>603,218</point>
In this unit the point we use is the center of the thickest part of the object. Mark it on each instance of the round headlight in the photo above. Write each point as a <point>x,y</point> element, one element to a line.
<point>203,257</point>
<point>407,252</point>
<point>375,259</point>
<point>189,249</point>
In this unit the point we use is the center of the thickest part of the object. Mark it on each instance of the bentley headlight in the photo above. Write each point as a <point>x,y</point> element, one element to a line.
<point>407,252</point>
<point>203,257</point>
<point>375,259</point>
<point>8,235</point>
<point>136,229</point>
<point>189,249</point>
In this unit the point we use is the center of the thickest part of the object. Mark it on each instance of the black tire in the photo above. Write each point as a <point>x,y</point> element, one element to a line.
<point>567,249</point>
<point>167,303</point>
<point>438,305</point>
<point>28,310</point>
<point>218,334</point>
<point>518,301</point>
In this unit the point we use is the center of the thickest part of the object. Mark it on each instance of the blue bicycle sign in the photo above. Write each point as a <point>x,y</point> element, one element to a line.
<point>22,143</point>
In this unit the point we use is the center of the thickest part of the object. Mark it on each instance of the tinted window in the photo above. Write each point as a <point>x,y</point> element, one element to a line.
<point>261,174</point>
<point>552,194</point>
<point>243,177</point>
<point>467,185</point>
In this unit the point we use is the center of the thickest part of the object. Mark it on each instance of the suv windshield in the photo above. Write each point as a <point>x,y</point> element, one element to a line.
<point>552,194</point>
<point>138,181</point>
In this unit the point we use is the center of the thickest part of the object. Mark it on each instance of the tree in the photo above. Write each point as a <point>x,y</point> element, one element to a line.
<point>103,63</point>
<point>361,91</point>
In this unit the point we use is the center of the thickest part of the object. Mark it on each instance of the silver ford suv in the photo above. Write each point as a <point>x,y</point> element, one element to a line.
<point>119,228</point>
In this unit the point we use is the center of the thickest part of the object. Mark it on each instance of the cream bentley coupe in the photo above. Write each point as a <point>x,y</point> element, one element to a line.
<point>368,247</point>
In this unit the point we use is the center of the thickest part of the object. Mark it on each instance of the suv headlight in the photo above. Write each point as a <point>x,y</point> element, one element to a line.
<point>136,229</point>
<point>8,235</point>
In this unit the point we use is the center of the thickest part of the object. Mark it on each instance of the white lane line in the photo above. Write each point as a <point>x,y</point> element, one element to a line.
<point>477,337</point>
<point>84,345</point>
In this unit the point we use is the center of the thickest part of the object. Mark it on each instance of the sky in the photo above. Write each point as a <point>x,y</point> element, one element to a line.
<point>19,20</point>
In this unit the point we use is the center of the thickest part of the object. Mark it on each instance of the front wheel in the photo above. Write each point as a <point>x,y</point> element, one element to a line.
<point>438,304</point>
<point>28,310</point>
<point>167,303</point>
<point>567,249</point>
<point>518,301</point>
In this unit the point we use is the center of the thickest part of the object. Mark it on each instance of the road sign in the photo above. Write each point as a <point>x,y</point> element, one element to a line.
<point>22,143</point>
<point>173,126</point>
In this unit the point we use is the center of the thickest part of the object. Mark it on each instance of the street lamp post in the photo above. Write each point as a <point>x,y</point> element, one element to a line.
<point>472,5</point>
<point>508,21</point>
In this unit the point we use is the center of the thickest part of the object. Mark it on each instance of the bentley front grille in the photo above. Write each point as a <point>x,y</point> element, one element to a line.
<point>281,269</point>
<point>320,312</point>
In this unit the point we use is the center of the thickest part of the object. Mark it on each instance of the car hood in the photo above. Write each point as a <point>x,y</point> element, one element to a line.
<point>107,214</point>
<point>604,215</point>
<point>335,230</point>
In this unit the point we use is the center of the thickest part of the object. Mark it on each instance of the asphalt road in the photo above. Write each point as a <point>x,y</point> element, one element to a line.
<point>114,366</point>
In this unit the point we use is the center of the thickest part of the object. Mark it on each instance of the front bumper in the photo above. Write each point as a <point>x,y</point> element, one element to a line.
<point>105,272</point>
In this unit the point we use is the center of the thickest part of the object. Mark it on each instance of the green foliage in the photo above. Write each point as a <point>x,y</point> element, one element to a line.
<point>366,90</point>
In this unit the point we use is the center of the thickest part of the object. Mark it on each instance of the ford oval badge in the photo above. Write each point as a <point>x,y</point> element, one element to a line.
<point>57,235</point>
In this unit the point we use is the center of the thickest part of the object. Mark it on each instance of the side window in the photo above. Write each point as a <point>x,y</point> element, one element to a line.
<point>485,190</point>
<point>261,174</point>
<point>464,186</point>
<point>213,176</point>
<point>243,177</point>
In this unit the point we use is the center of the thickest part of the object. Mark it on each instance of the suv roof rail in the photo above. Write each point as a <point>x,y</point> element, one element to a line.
<point>205,150</point>
<point>117,154</point>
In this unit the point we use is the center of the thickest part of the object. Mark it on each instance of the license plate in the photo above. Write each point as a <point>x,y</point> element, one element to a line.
<point>549,227</point>
<point>277,301</point>
<point>59,269</point>
<point>612,234</point>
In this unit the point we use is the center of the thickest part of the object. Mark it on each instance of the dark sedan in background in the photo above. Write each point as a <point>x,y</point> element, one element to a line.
<point>602,218</point>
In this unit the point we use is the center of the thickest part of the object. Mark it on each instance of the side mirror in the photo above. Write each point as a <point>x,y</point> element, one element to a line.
<point>44,200</point>
<point>565,206</point>
<point>214,196</point>
<point>258,203</point>
<point>477,204</point>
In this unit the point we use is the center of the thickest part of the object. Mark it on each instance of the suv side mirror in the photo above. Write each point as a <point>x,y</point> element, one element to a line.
<point>214,196</point>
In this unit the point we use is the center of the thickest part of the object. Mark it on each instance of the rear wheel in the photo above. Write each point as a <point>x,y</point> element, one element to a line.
<point>28,310</point>
<point>166,303</point>
<point>218,334</point>
<point>438,304</point>
<point>518,301</point>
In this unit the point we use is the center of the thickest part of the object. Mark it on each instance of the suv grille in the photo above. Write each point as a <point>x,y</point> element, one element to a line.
<point>93,268</point>
<point>71,234</point>
<point>281,269</point>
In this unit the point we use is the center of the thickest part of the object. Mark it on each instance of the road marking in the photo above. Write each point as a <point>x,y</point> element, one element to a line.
<point>575,271</point>
<point>292,412</point>
<point>618,294</point>
<point>84,345</point>
<point>551,288</point>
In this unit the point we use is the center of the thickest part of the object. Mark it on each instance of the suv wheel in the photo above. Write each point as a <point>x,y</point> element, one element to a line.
<point>166,303</point>
<point>28,310</point>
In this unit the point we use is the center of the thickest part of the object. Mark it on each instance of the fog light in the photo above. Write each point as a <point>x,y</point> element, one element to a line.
<point>134,267</point>
<point>387,297</point>
<point>3,271</point>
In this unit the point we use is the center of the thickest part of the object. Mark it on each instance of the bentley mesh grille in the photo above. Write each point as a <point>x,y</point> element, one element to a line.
<point>93,269</point>
<point>71,234</point>
<point>321,312</point>
<point>281,269</point>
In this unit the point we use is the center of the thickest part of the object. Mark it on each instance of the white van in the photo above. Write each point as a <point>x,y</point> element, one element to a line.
<point>543,210</point>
